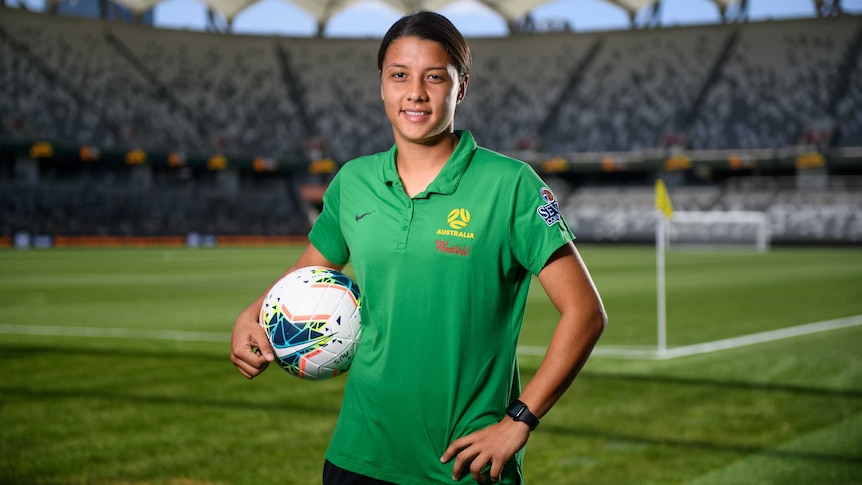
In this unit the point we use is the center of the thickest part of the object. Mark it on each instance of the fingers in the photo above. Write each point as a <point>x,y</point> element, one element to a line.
<point>264,347</point>
<point>487,450</point>
<point>481,466</point>
<point>251,351</point>
<point>465,452</point>
<point>249,367</point>
<point>451,451</point>
<point>476,467</point>
<point>496,471</point>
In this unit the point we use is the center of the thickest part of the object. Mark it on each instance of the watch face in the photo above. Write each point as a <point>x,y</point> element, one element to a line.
<point>520,412</point>
<point>515,409</point>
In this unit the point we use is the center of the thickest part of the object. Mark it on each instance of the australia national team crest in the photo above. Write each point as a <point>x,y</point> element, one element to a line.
<point>550,212</point>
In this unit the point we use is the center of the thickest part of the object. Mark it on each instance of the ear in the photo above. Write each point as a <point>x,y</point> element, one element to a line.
<point>462,89</point>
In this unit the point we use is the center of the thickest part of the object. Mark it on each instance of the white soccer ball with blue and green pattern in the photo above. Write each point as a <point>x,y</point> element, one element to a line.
<point>311,317</point>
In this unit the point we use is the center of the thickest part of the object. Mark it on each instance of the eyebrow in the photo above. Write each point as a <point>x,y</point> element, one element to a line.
<point>404,66</point>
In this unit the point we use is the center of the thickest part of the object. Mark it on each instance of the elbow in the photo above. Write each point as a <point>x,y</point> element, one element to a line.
<point>599,320</point>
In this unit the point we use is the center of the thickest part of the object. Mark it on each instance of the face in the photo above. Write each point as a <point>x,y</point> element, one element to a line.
<point>420,89</point>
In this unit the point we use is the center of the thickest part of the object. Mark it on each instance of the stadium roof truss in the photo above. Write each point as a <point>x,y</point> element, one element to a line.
<point>323,10</point>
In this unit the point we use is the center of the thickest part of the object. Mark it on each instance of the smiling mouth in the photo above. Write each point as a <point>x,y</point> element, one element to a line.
<point>414,113</point>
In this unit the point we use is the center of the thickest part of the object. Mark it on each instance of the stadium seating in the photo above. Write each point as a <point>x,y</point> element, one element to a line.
<point>849,109</point>
<point>98,209</point>
<point>230,90</point>
<point>795,215</point>
<point>340,93</point>
<point>118,84</point>
<point>635,90</point>
<point>95,96</point>
<point>778,78</point>
<point>748,86</point>
<point>515,82</point>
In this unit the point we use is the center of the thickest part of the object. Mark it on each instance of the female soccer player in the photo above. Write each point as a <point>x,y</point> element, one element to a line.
<point>444,237</point>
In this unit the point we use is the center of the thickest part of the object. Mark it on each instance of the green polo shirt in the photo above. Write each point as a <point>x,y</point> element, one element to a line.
<point>444,278</point>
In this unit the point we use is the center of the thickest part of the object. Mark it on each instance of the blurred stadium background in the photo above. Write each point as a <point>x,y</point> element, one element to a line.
<point>117,133</point>
<point>112,128</point>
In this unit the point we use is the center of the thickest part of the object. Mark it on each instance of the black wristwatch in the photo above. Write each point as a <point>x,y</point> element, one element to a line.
<point>520,412</point>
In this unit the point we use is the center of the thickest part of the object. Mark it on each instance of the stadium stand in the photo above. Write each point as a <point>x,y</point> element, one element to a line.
<point>64,208</point>
<point>826,215</point>
<point>340,93</point>
<point>777,79</point>
<point>733,115</point>
<point>848,106</point>
<point>637,89</point>
<point>516,81</point>
<point>231,92</point>
<point>97,97</point>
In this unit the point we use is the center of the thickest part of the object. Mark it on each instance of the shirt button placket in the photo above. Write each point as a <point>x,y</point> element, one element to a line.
<point>405,226</point>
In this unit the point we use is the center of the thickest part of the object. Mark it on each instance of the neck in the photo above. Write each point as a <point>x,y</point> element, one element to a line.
<point>418,165</point>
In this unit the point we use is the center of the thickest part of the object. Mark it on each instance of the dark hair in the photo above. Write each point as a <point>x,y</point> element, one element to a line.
<point>434,27</point>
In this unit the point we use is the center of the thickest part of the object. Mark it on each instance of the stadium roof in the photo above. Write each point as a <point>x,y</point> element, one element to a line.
<point>323,10</point>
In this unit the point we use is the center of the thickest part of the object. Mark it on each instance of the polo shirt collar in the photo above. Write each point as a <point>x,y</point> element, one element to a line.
<point>450,175</point>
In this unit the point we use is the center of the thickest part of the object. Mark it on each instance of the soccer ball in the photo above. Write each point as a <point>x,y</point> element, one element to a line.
<point>311,317</point>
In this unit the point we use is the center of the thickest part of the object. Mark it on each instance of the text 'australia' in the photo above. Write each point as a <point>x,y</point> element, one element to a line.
<point>448,232</point>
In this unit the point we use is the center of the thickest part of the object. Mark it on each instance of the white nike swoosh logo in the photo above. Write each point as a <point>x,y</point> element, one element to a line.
<point>299,348</point>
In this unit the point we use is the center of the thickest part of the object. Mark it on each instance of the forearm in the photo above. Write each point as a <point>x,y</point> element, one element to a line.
<point>571,345</point>
<point>568,284</point>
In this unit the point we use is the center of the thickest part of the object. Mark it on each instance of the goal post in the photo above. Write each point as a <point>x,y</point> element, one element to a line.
<point>713,230</point>
<point>718,230</point>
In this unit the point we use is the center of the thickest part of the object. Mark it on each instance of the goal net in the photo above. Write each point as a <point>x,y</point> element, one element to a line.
<point>718,230</point>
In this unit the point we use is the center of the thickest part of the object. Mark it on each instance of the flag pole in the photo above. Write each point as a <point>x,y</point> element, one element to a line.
<point>664,212</point>
<point>661,317</point>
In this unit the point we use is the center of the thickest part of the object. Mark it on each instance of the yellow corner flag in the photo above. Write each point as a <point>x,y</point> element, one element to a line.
<point>662,199</point>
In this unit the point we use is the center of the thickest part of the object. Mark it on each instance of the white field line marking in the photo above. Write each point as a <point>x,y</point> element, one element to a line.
<point>639,352</point>
<point>123,333</point>
<point>620,351</point>
<point>756,338</point>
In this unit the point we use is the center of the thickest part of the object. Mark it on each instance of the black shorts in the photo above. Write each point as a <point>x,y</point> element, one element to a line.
<point>333,475</point>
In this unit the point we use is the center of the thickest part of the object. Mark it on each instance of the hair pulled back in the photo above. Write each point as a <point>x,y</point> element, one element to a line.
<point>434,27</point>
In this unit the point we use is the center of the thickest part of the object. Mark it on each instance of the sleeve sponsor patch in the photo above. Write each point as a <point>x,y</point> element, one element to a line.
<point>550,211</point>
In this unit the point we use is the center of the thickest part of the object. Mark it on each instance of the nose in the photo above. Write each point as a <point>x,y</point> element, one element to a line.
<point>417,91</point>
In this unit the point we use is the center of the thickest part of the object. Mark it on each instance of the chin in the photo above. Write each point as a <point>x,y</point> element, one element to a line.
<point>423,137</point>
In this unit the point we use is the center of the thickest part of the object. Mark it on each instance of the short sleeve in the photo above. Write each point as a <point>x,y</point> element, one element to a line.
<point>539,228</point>
<point>326,234</point>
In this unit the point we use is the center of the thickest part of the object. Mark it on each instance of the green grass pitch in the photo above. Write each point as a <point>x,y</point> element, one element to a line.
<point>140,390</point>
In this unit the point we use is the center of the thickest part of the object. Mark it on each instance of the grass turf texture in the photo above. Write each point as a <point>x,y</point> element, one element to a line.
<point>137,410</point>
